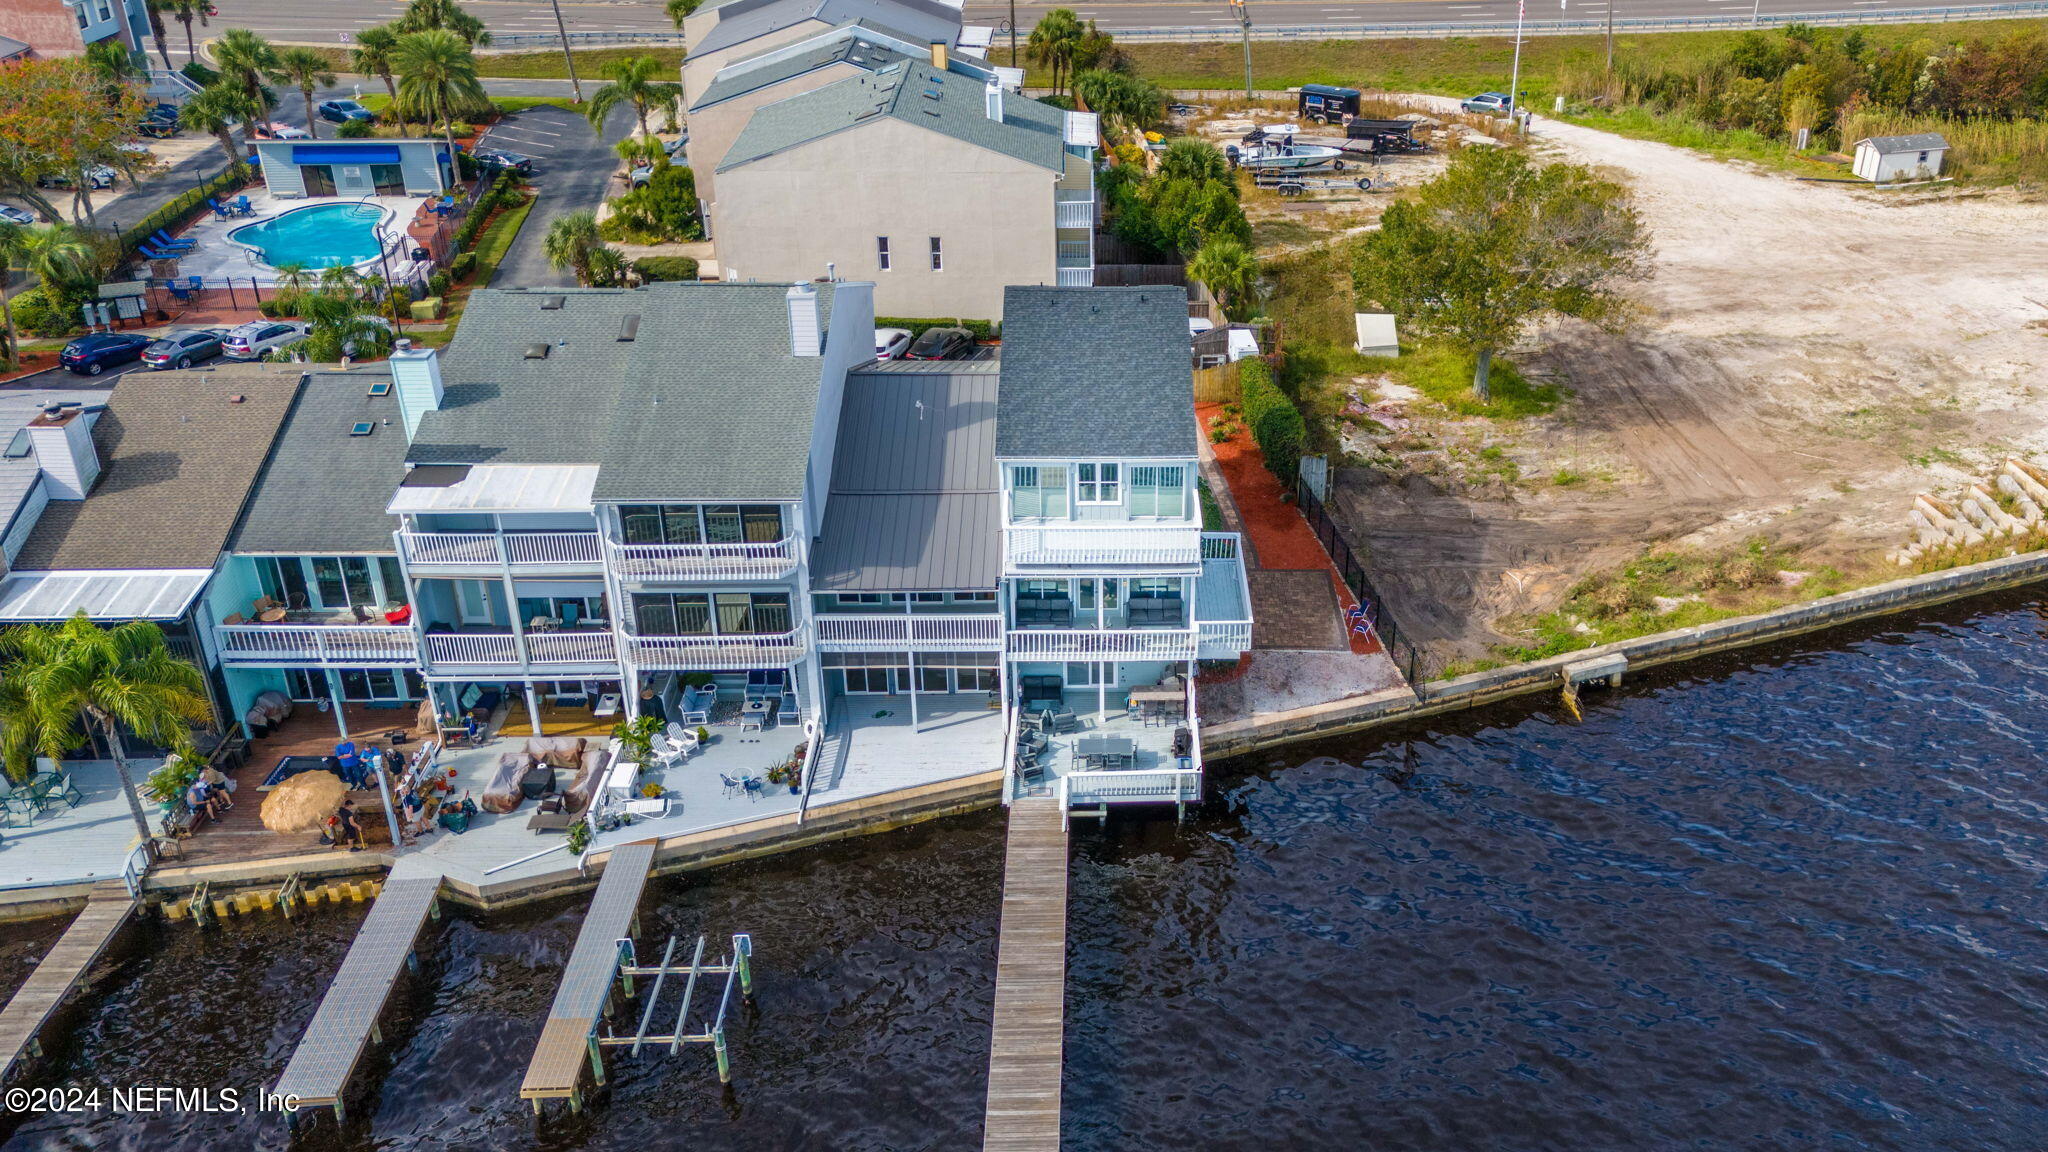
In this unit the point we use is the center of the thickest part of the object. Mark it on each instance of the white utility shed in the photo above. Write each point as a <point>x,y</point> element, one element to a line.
<point>1915,157</point>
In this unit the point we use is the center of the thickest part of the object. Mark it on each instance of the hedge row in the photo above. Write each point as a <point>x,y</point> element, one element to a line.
<point>180,209</point>
<point>1274,420</point>
<point>653,268</point>
<point>982,329</point>
<point>502,191</point>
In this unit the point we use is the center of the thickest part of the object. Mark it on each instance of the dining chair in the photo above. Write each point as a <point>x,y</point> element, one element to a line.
<point>753,786</point>
<point>732,787</point>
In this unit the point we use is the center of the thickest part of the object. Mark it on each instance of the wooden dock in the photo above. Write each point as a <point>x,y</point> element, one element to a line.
<point>1031,983</point>
<point>346,1021</point>
<point>62,970</point>
<point>569,1037</point>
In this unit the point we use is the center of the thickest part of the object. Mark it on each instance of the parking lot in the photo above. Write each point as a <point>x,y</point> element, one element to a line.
<point>573,169</point>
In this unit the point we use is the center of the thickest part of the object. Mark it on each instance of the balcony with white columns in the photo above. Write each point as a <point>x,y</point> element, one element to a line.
<point>865,632</point>
<point>298,645</point>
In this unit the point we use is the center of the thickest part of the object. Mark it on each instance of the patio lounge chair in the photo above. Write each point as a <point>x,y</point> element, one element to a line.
<point>243,207</point>
<point>220,211</point>
<point>1055,723</point>
<point>171,243</point>
<point>153,254</point>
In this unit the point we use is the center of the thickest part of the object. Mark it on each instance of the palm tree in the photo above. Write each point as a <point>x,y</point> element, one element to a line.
<point>292,277</point>
<point>61,677</point>
<point>340,327</point>
<point>608,267</point>
<point>436,71</point>
<point>306,70</point>
<point>1196,160</point>
<point>216,109</point>
<point>11,236</point>
<point>58,255</point>
<point>245,58</point>
<point>441,15</point>
<point>184,12</point>
<point>569,243</point>
<point>1126,103</point>
<point>632,82</point>
<point>157,31</point>
<point>679,10</point>
<point>110,62</point>
<point>372,57</point>
<point>1231,272</point>
<point>642,150</point>
<point>1053,41</point>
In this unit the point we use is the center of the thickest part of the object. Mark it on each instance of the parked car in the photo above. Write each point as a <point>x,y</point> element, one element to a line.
<point>891,343</point>
<point>941,344</point>
<point>94,354</point>
<point>182,348</point>
<point>97,176</point>
<point>279,130</point>
<point>250,341</point>
<point>640,175</point>
<point>493,158</point>
<point>13,215</point>
<point>1199,324</point>
<point>343,111</point>
<point>676,145</point>
<point>1487,104</point>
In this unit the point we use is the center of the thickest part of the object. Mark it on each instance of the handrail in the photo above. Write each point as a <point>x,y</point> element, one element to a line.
<point>321,642</point>
<point>743,650</point>
<point>861,631</point>
<point>763,559</point>
<point>1012,722</point>
<point>814,738</point>
<point>1106,643</point>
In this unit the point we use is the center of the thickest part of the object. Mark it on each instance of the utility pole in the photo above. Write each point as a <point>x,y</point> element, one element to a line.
<point>1244,21</point>
<point>1515,77</point>
<point>1013,33</point>
<point>1610,36</point>
<point>568,57</point>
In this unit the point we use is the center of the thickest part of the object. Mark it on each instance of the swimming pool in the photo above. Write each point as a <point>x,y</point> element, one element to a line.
<point>316,236</point>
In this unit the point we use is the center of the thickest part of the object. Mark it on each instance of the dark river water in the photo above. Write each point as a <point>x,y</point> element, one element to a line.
<point>1788,900</point>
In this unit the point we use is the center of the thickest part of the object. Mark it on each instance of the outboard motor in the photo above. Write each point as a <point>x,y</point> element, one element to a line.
<point>1230,153</point>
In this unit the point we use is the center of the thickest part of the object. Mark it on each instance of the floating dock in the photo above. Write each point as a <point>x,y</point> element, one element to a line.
<point>569,1038</point>
<point>346,1021</point>
<point>106,912</point>
<point>1023,1112</point>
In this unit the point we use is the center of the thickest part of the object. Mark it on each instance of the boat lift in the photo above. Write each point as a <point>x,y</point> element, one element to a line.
<point>737,968</point>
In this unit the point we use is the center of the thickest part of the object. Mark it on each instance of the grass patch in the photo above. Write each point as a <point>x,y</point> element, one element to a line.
<point>1726,143</point>
<point>496,239</point>
<point>378,102</point>
<point>1445,376</point>
<point>543,65</point>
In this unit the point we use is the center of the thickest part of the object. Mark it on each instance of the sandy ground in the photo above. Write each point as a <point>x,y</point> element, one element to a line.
<point>1811,357</point>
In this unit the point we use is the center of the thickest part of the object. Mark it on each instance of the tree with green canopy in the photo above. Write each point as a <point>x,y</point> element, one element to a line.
<point>372,57</point>
<point>1496,241</point>
<point>60,678</point>
<point>246,58</point>
<point>436,78</point>
<point>1053,42</point>
<point>185,12</point>
<point>216,109</point>
<point>1230,270</point>
<point>569,243</point>
<point>305,70</point>
<point>442,15</point>
<point>632,82</point>
<point>1126,103</point>
<point>679,10</point>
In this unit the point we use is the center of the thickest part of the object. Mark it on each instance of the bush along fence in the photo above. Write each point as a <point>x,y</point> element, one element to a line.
<point>1404,653</point>
<point>182,208</point>
<point>981,329</point>
<point>1275,422</point>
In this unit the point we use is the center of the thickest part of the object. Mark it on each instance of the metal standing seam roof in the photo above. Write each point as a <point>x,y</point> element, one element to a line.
<point>919,21</point>
<point>917,94</point>
<point>325,488</point>
<point>496,488</point>
<point>1096,373</point>
<point>848,46</point>
<point>914,505</point>
<point>1918,142</point>
<point>126,594</point>
<point>705,402</point>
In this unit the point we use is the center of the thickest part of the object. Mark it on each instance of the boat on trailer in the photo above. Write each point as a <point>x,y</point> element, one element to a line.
<point>1273,147</point>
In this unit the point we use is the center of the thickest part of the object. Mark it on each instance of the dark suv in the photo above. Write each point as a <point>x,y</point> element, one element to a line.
<point>94,354</point>
<point>941,344</point>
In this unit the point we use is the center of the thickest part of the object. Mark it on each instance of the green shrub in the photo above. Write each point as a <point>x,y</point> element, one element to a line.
<point>665,207</point>
<point>666,268</point>
<point>1274,420</point>
<point>982,329</point>
<point>437,284</point>
<point>502,191</point>
<point>199,73</point>
<point>41,312</point>
<point>464,265</point>
<point>356,130</point>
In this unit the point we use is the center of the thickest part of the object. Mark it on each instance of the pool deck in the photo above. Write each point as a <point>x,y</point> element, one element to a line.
<point>218,257</point>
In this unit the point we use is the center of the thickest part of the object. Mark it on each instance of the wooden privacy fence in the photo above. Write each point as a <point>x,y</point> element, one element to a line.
<point>1217,385</point>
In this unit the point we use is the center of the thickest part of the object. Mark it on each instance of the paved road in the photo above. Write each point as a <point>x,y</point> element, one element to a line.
<point>573,170</point>
<point>324,20</point>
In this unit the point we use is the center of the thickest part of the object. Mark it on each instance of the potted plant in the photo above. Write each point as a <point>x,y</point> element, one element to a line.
<point>703,735</point>
<point>169,782</point>
<point>636,738</point>
<point>579,836</point>
<point>651,790</point>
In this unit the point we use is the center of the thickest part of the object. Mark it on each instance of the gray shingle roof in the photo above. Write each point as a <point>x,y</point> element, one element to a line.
<point>918,21</point>
<point>10,48</point>
<point>706,402</point>
<point>325,490</point>
<point>914,505</point>
<point>178,459</point>
<point>1093,373</point>
<point>18,473</point>
<point>1918,142</point>
<point>914,93</point>
<point>848,47</point>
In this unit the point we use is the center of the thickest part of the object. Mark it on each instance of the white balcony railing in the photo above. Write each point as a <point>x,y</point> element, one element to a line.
<point>1115,545</point>
<point>857,633</point>
<point>1103,644</point>
<point>542,648</point>
<point>767,561</point>
<point>1074,210</point>
<point>392,644</point>
<point>521,549</point>
<point>712,653</point>
<point>1150,786</point>
<point>472,648</point>
<point>1223,639</point>
<point>572,648</point>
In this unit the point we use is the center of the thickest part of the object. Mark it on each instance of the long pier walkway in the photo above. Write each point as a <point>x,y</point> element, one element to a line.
<point>1031,983</point>
<point>569,1038</point>
<point>69,959</point>
<point>346,1021</point>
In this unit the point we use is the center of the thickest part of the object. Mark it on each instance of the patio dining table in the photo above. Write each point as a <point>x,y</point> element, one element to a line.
<point>1107,751</point>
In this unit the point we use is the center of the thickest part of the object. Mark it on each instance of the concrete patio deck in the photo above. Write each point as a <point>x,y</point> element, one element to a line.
<point>86,842</point>
<point>218,257</point>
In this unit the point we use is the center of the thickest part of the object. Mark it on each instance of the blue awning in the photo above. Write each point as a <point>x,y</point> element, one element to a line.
<point>344,154</point>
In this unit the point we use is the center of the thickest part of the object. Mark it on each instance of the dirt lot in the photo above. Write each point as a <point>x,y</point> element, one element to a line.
<point>1811,357</point>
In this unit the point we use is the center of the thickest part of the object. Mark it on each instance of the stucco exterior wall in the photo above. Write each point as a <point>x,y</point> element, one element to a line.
<point>783,217</point>
<point>698,70</point>
<point>713,129</point>
<point>415,161</point>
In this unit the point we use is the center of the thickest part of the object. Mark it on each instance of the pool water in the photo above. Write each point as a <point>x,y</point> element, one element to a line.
<point>319,236</point>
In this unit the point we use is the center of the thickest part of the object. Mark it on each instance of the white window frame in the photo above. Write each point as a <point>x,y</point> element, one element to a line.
<point>882,252</point>
<point>106,11</point>
<point>938,258</point>
<point>1098,482</point>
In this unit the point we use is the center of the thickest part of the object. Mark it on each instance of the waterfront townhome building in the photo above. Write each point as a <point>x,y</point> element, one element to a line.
<point>1112,590</point>
<point>940,189</point>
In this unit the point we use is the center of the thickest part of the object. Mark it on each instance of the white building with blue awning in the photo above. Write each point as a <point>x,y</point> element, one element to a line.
<point>307,168</point>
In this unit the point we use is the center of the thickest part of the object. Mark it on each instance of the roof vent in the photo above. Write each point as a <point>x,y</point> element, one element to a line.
<point>552,303</point>
<point>536,351</point>
<point>381,387</point>
<point>629,327</point>
<point>237,398</point>
<point>362,428</point>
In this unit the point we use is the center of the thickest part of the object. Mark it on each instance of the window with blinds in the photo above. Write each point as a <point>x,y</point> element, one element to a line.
<point>1157,490</point>
<point>1038,491</point>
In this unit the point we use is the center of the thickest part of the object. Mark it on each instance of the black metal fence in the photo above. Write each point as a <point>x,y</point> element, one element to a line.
<point>1403,652</point>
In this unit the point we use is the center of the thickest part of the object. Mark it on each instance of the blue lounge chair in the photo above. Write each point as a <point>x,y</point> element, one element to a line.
<point>219,212</point>
<point>153,254</point>
<point>168,242</point>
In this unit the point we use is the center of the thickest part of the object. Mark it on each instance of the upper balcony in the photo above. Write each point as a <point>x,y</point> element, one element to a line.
<point>674,563</point>
<point>847,632</point>
<point>1031,550</point>
<point>289,644</point>
<point>486,553</point>
<point>1223,606</point>
<point>719,653</point>
<point>1074,208</point>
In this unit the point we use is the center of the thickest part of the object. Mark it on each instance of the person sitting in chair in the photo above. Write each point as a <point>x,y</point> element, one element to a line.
<point>219,786</point>
<point>202,800</point>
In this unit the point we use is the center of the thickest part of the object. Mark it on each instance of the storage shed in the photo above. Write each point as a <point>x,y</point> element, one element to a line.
<point>1915,157</point>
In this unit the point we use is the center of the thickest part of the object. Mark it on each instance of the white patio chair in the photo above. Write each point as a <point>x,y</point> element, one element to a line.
<point>666,753</point>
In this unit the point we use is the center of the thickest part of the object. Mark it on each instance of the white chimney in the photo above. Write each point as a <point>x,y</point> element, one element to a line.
<point>994,95</point>
<point>416,377</point>
<point>804,334</point>
<point>64,450</point>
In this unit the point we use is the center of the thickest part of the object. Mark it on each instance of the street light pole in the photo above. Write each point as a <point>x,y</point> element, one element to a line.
<point>1013,33</point>
<point>568,57</point>
<point>1515,77</point>
<point>1244,20</point>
